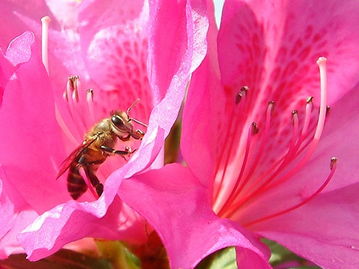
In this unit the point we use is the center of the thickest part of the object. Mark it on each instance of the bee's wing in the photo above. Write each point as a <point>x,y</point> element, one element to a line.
<point>78,151</point>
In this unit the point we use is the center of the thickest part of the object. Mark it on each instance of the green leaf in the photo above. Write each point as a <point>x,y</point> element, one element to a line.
<point>224,259</point>
<point>118,254</point>
<point>64,258</point>
<point>280,255</point>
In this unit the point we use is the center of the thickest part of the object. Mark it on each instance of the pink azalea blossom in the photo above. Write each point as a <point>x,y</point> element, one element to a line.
<point>123,51</point>
<point>258,148</point>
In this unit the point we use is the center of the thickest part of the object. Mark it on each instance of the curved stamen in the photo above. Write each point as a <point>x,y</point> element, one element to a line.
<point>269,183</point>
<point>45,21</point>
<point>269,112</point>
<point>320,125</point>
<point>333,166</point>
<point>227,152</point>
<point>90,104</point>
<point>308,112</point>
<point>295,137</point>
<point>263,139</point>
<point>253,130</point>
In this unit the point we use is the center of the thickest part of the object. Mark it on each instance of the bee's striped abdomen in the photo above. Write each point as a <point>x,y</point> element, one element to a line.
<point>76,185</point>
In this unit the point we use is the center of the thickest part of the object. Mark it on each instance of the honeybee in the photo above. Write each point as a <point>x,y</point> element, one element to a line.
<point>97,145</point>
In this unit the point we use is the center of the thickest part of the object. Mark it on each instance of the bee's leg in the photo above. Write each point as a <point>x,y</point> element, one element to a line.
<point>115,151</point>
<point>93,179</point>
<point>138,134</point>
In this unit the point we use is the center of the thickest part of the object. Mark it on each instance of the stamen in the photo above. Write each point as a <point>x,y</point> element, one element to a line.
<point>227,152</point>
<point>90,104</point>
<point>45,21</point>
<point>270,108</point>
<point>252,131</point>
<point>64,126</point>
<point>333,166</point>
<point>269,112</point>
<point>72,89</point>
<point>268,183</point>
<point>295,137</point>
<point>308,112</point>
<point>89,96</point>
<point>320,125</point>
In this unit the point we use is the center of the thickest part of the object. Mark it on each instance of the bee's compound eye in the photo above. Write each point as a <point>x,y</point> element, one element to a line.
<point>117,121</point>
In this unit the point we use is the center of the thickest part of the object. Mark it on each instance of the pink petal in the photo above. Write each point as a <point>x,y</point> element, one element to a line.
<point>62,225</point>
<point>296,34</point>
<point>8,242</point>
<point>114,47</point>
<point>6,70</point>
<point>184,36</point>
<point>72,221</point>
<point>272,47</point>
<point>65,12</point>
<point>197,123</point>
<point>15,216</point>
<point>175,204</point>
<point>188,56</point>
<point>324,231</point>
<point>19,50</point>
<point>10,11</point>
<point>33,140</point>
<point>199,142</point>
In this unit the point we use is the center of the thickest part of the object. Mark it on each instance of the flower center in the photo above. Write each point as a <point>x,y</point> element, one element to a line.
<point>234,189</point>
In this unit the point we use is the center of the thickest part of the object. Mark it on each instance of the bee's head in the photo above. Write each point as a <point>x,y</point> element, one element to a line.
<point>121,124</point>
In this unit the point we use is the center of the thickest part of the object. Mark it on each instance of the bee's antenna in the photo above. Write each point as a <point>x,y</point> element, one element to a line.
<point>132,119</point>
<point>133,104</point>
<point>139,122</point>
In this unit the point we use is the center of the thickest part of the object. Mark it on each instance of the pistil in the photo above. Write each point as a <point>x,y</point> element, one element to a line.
<point>45,21</point>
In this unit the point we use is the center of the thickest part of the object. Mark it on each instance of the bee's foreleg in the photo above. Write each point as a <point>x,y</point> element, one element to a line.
<point>93,179</point>
<point>138,134</point>
<point>115,151</point>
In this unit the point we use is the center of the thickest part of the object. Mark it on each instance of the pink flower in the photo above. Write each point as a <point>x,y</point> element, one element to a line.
<point>257,164</point>
<point>122,51</point>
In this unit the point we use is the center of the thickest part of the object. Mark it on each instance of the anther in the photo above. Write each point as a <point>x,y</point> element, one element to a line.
<point>327,110</point>
<point>255,128</point>
<point>309,99</point>
<point>242,92</point>
<point>89,95</point>
<point>333,162</point>
<point>244,89</point>
<point>72,87</point>
<point>271,103</point>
